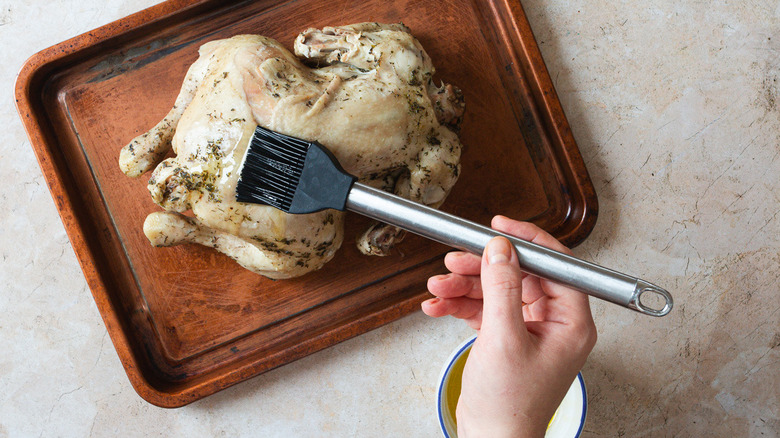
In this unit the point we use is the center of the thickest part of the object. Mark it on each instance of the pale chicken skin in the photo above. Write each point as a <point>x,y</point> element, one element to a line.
<point>364,91</point>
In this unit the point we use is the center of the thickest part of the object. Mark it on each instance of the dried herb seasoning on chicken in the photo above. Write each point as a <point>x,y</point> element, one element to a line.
<point>364,91</point>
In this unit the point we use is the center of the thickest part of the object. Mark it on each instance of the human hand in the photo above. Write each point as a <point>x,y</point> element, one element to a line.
<point>533,335</point>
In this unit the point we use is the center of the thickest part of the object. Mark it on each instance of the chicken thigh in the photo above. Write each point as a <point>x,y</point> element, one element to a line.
<point>364,91</point>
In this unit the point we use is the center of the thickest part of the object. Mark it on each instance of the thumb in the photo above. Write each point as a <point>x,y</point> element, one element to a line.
<point>502,286</point>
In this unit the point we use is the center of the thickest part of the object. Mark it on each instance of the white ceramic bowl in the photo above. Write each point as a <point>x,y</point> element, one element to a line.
<point>566,423</point>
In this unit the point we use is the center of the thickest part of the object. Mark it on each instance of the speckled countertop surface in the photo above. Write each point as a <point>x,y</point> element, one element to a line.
<point>676,110</point>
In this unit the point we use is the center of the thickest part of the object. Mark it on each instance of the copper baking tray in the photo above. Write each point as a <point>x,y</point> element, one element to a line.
<point>187,321</point>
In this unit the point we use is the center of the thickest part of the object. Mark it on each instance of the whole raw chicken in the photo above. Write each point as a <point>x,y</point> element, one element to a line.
<point>368,97</point>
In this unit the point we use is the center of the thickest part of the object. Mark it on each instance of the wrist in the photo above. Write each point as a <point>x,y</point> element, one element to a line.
<point>516,426</point>
<point>500,432</point>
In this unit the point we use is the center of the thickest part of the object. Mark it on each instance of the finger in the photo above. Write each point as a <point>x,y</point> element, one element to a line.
<point>454,285</point>
<point>502,288</point>
<point>567,305</point>
<point>540,310</point>
<point>532,289</point>
<point>463,263</point>
<point>462,308</point>
<point>549,301</point>
<point>528,231</point>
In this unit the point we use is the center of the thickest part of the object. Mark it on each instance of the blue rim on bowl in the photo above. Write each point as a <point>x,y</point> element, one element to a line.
<point>567,422</point>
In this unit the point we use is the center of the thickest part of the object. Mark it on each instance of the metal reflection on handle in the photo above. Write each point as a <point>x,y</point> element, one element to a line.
<point>537,260</point>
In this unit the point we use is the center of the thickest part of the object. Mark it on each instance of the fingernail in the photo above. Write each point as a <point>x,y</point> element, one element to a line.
<point>499,250</point>
<point>432,301</point>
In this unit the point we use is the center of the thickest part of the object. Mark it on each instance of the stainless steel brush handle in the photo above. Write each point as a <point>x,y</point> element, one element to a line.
<point>534,259</point>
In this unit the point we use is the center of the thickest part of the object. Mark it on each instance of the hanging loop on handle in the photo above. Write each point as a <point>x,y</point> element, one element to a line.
<point>644,287</point>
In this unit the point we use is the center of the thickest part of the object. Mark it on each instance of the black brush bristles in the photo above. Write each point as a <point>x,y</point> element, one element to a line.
<point>293,175</point>
<point>272,168</point>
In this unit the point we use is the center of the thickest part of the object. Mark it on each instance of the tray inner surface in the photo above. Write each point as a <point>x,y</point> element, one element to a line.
<point>190,311</point>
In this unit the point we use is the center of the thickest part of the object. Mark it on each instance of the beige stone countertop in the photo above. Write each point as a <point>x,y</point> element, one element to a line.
<point>675,108</point>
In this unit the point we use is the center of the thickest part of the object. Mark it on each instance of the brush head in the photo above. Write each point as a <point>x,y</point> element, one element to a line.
<point>293,175</point>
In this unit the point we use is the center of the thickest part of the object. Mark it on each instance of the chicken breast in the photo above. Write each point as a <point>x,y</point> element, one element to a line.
<point>364,91</point>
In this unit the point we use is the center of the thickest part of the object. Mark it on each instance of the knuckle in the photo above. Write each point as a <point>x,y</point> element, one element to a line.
<point>507,281</point>
<point>586,335</point>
